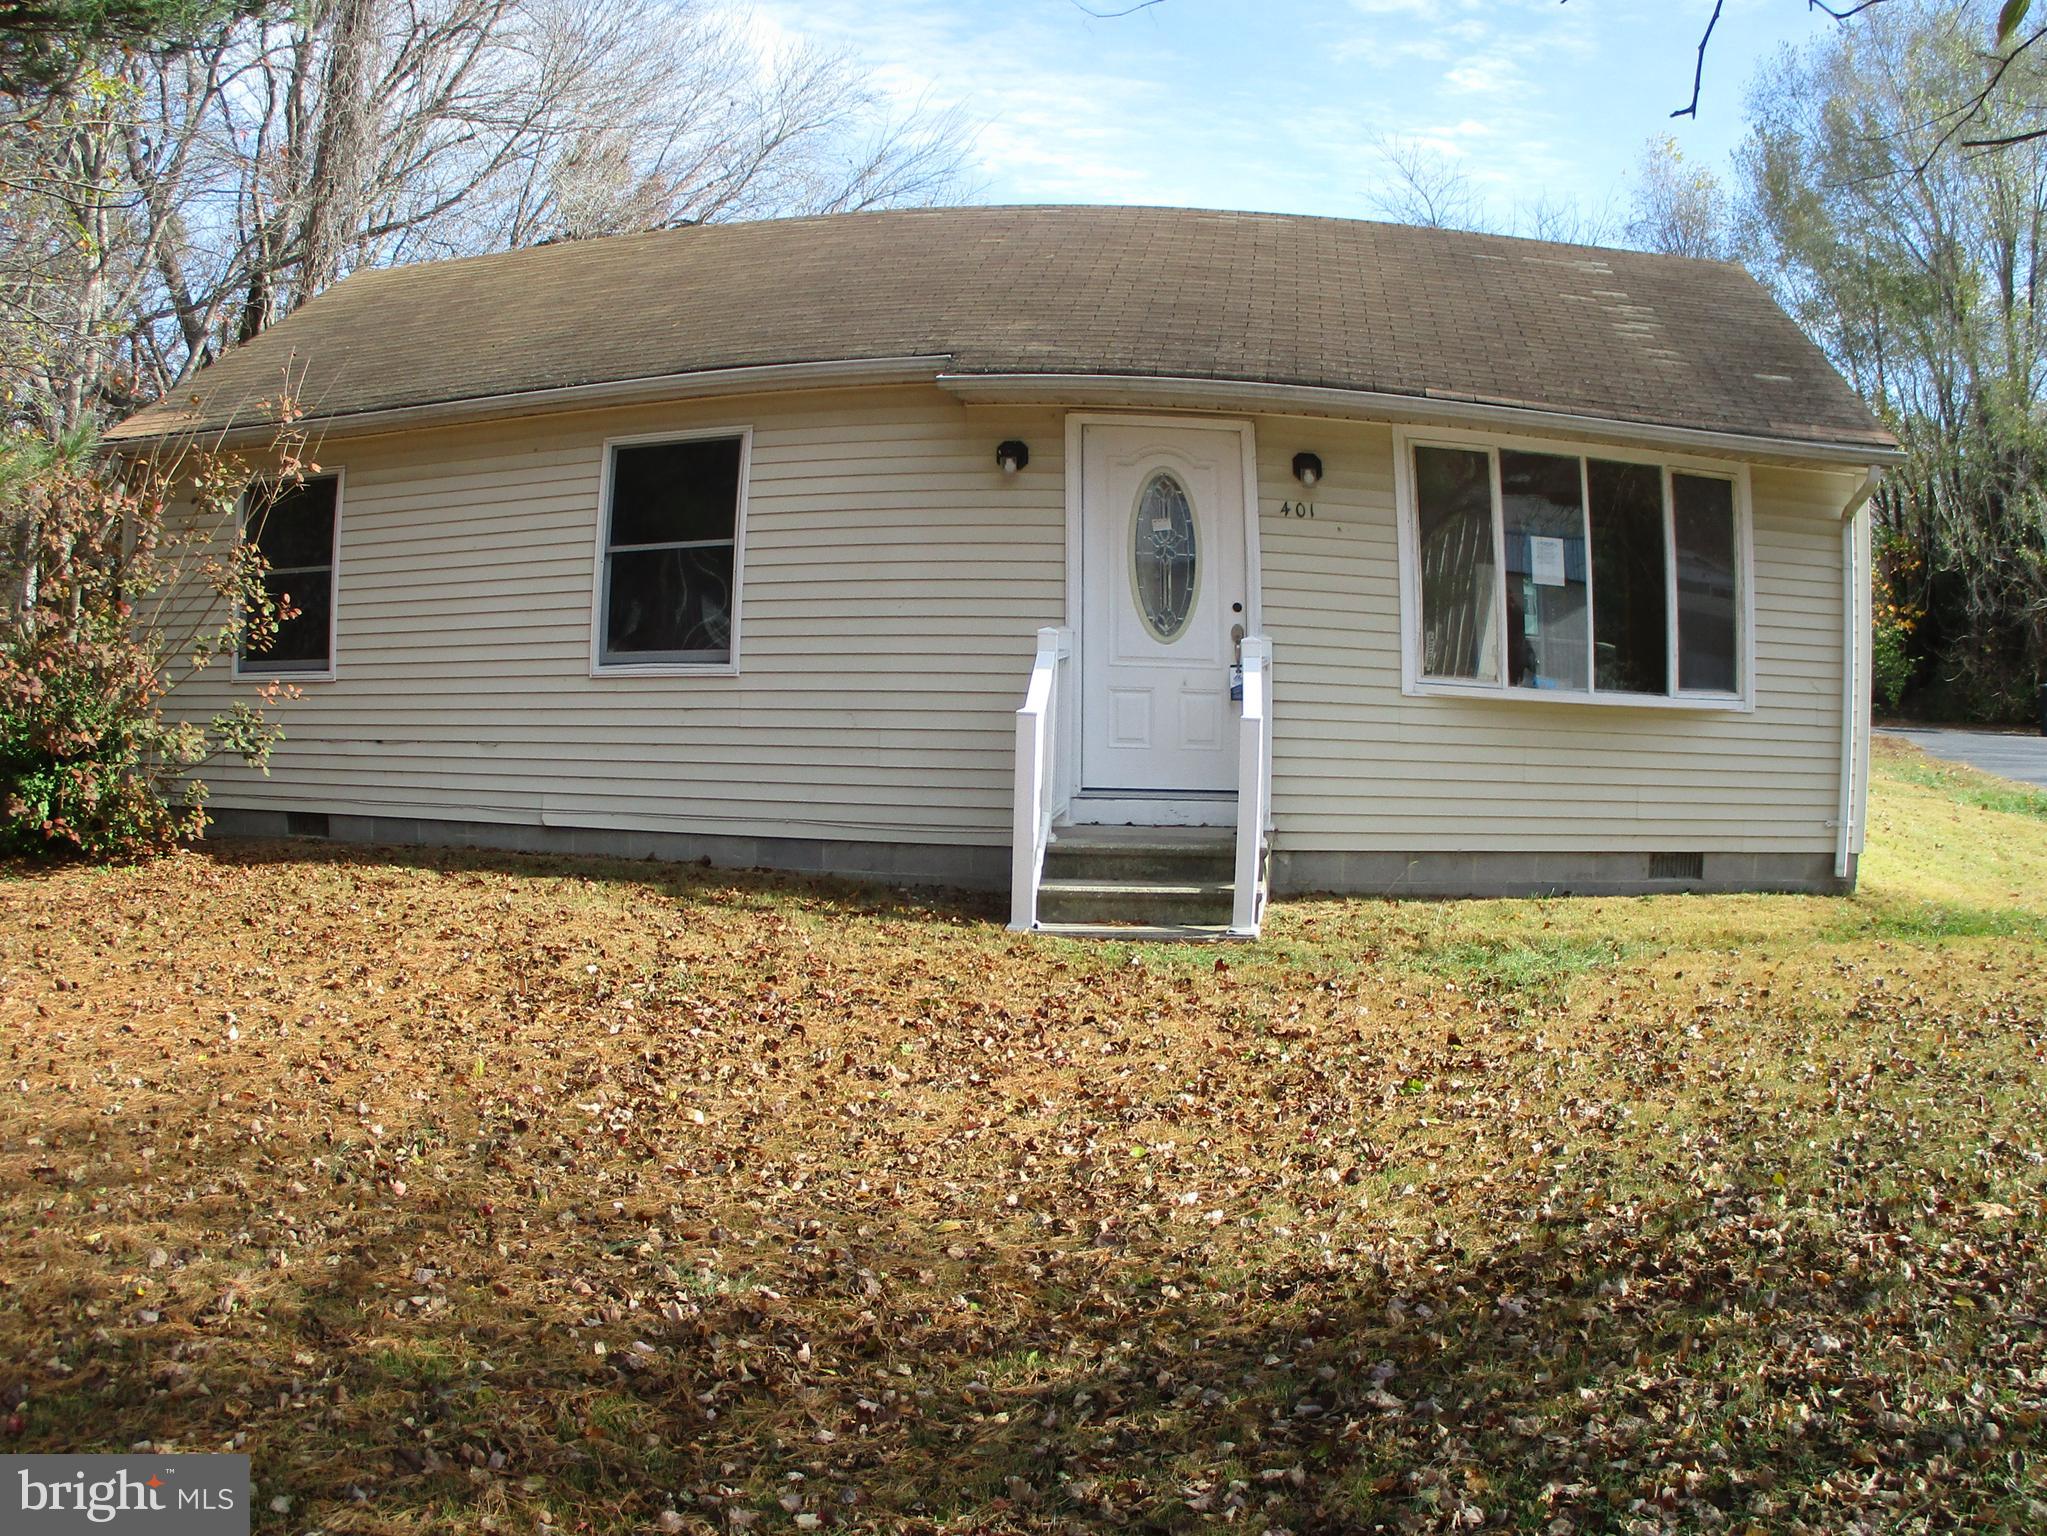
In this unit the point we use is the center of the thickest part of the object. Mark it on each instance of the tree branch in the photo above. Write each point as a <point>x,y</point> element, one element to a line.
<point>1973,108</point>
<point>2007,140</point>
<point>1691,108</point>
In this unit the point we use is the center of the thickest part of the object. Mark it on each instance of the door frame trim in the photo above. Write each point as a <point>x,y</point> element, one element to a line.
<point>1077,423</point>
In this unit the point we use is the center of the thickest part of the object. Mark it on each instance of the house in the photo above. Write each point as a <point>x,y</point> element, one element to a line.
<point>1137,559</point>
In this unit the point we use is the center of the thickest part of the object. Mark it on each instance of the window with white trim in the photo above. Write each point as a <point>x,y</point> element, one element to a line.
<point>293,528</point>
<point>1539,573</point>
<point>671,540</point>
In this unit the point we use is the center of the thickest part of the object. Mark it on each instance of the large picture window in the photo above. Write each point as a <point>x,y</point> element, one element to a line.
<point>1575,576</point>
<point>293,528</point>
<point>671,539</point>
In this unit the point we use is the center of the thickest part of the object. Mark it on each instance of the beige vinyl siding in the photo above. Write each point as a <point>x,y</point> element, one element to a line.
<point>1360,767</point>
<point>893,583</point>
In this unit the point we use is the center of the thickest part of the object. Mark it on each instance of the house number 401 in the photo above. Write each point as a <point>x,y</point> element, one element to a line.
<point>1297,509</point>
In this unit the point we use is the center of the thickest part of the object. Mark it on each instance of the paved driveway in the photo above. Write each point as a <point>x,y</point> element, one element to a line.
<point>2014,756</point>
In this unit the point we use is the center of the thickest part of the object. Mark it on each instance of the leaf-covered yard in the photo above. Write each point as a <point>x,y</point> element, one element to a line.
<point>477,1193</point>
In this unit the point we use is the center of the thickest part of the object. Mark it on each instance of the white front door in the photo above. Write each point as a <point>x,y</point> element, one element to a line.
<point>1162,600</point>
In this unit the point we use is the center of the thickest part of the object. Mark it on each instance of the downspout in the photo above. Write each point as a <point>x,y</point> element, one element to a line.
<point>1854,581</point>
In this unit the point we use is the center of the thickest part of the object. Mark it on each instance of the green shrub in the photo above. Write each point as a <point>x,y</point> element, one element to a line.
<point>1892,661</point>
<point>89,761</point>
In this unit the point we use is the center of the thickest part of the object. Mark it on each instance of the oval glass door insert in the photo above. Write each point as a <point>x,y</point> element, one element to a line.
<point>1163,556</point>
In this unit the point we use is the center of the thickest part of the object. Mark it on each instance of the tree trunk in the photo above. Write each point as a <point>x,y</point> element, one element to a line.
<point>332,191</point>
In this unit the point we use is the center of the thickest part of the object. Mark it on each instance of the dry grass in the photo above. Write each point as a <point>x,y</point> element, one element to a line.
<point>477,1193</point>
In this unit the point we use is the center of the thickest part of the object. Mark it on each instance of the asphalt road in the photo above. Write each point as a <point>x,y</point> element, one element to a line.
<point>2013,756</point>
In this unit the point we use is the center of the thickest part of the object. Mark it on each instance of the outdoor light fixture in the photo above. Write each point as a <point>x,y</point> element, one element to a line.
<point>1012,455</point>
<point>1307,468</point>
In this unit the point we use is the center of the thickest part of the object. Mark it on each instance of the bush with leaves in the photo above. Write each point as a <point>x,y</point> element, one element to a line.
<point>1895,621</point>
<point>1891,651</point>
<point>115,599</point>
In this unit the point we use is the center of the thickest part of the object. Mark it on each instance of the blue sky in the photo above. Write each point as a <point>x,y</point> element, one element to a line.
<point>1277,104</point>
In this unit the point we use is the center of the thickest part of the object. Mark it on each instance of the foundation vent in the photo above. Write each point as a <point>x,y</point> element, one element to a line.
<point>1677,866</point>
<point>306,824</point>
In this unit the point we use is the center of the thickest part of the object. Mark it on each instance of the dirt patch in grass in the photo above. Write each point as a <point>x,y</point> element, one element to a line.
<point>478,1193</point>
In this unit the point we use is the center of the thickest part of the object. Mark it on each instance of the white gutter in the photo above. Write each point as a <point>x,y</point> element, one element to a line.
<point>1369,405</point>
<point>1008,388</point>
<point>1854,686</point>
<point>572,397</point>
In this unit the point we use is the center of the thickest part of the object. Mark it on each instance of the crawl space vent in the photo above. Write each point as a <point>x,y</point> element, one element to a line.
<point>1677,866</point>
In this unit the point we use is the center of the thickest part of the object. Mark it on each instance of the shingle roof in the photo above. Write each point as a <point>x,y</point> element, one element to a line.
<point>1155,292</point>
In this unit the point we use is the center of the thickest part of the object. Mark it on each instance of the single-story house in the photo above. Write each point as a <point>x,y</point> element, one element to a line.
<point>1142,560</point>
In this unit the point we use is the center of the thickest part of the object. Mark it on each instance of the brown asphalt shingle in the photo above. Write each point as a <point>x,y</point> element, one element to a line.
<point>1155,292</point>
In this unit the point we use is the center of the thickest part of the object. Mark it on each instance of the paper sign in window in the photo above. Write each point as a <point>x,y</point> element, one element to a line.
<point>1546,561</point>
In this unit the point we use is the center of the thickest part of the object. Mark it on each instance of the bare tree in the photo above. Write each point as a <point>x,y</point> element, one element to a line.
<point>179,202</point>
<point>1567,221</point>
<point>70,262</point>
<point>1423,186</point>
<point>706,128</point>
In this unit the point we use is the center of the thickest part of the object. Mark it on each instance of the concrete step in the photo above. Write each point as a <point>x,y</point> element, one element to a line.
<point>1143,855</point>
<point>1157,883</point>
<point>1171,902</point>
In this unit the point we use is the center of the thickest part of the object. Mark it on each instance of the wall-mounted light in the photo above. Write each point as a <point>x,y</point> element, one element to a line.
<point>1307,468</point>
<point>1012,455</point>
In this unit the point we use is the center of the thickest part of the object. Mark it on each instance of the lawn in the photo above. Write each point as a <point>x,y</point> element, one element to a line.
<point>478,1193</point>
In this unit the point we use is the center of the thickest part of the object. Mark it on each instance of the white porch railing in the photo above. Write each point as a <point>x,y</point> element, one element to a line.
<point>1254,785</point>
<point>1037,799</point>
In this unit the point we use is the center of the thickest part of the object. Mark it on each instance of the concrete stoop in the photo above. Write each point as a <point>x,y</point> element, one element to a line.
<point>1164,883</point>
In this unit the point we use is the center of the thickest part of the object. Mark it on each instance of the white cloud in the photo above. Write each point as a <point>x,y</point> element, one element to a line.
<point>1278,106</point>
<point>1040,121</point>
<point>1493,76</point>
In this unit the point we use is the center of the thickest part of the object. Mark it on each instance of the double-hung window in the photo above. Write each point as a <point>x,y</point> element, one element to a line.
<point>668,586</point>
<point>1538,574</point>
<point>293,527</point>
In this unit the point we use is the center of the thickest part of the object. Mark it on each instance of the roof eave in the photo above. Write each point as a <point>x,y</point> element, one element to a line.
<point>1372,405</point>
<point>699,384</point>
<point>1012,388</point>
